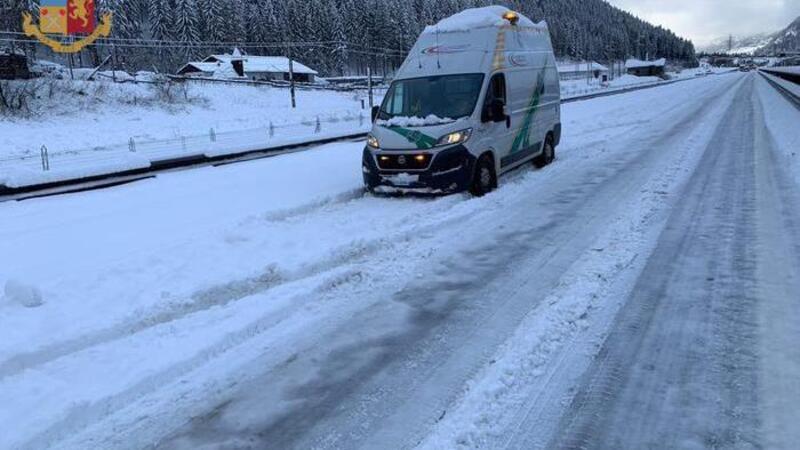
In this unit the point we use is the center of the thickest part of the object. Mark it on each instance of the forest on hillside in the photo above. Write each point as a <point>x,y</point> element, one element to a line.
<point>345,36</point>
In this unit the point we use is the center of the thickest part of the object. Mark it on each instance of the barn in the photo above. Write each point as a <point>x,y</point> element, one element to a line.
<point>253,67</point>
<point>13,65</point>
<point>640,68</point>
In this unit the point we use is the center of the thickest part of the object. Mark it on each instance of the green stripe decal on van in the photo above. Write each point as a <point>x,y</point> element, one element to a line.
<point>421,140</point>
<point>522,141</point>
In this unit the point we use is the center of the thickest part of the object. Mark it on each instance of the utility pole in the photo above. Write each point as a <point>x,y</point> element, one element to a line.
<point>291,76</point>
<point>71,64</point>
<point>369,86</point>
<point>114,62</point>
<point>730,42</point>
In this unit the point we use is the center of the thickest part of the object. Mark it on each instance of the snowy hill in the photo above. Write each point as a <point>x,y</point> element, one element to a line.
<point>786,40</point>
<point>738,45</point>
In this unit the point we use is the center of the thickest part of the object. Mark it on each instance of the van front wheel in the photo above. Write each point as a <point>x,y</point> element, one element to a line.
<point>484,179</point>
<point>547,156</point>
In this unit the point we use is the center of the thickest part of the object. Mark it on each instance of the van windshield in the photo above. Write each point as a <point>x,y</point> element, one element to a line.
<point>445,97</point>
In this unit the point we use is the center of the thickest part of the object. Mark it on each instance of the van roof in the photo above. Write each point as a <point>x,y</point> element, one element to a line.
<point>478,40</point>
<point>486,17</point>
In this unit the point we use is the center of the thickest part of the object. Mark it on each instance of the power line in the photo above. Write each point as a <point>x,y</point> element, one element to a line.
<point>185,44</point>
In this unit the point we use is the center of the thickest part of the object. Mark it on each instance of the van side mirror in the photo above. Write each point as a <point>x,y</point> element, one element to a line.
<point>497,110</point>
<point>375,111</point>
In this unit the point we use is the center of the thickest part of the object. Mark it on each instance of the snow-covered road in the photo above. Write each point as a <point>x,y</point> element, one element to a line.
<point>650,274</point>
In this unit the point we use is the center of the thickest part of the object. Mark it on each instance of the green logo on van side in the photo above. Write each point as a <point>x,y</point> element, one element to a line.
<point>421,140</point>
<point>522,141</point>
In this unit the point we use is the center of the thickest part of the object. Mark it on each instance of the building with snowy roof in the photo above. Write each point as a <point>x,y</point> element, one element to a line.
<point>581,70</point>
<point>641,68</point>
<point>252,67</point>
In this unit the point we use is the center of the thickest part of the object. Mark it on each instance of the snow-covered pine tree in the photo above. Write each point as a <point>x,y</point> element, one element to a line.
<point>337,35</point>
<point>263,26</point>
<point>237,21</point>
<point>212,21</point>
<point>161,22</point>
<point>185,19</point>
<point>11,13</point>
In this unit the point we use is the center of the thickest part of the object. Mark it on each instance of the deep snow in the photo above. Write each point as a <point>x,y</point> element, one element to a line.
<point>116,127</point>
<point>119,112</point>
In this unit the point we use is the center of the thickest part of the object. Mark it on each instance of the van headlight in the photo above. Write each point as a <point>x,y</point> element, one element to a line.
<point>372,142</point>
<point>457,137</point>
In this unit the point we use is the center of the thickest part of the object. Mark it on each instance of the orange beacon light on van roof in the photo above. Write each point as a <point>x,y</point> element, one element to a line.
<point>512,17</point>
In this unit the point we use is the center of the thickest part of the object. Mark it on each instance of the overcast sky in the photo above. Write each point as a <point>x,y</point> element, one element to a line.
<point>704,20</point>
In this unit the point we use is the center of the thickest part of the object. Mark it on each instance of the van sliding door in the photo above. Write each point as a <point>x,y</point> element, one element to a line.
<point>498,135</point>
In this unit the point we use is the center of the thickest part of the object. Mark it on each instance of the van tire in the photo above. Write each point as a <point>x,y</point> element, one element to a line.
<point>548,154</point>
<point>484,179</point>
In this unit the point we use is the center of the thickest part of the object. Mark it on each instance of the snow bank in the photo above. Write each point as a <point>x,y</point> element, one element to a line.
<point>489,16</point>
<point>17,292</point>
<point>405,121</point>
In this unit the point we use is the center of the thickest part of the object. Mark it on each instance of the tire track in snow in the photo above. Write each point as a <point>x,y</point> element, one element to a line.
<point>525,387</point>
<point>222,294</point>
<point>343,267</point>
<point>678,369</point>
<point>83,415</point>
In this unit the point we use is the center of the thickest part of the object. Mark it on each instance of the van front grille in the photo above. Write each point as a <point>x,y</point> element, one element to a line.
<point>418,161</point>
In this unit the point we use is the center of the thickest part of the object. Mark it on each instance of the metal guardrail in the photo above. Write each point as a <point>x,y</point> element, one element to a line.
<point>127,176</point>
<point>791,74</point>
<point>788,84</point>
<point>211,143</point>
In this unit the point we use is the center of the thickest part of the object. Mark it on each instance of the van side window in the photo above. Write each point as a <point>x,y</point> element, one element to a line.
<point>496,90</point>
<point>497,87</point>
<point>396,102</point>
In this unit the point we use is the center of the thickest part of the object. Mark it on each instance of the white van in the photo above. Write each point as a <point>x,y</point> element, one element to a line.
<point>477,96</point>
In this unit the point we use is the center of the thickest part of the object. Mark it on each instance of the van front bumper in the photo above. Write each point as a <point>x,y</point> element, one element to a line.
<point>450,171</point>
